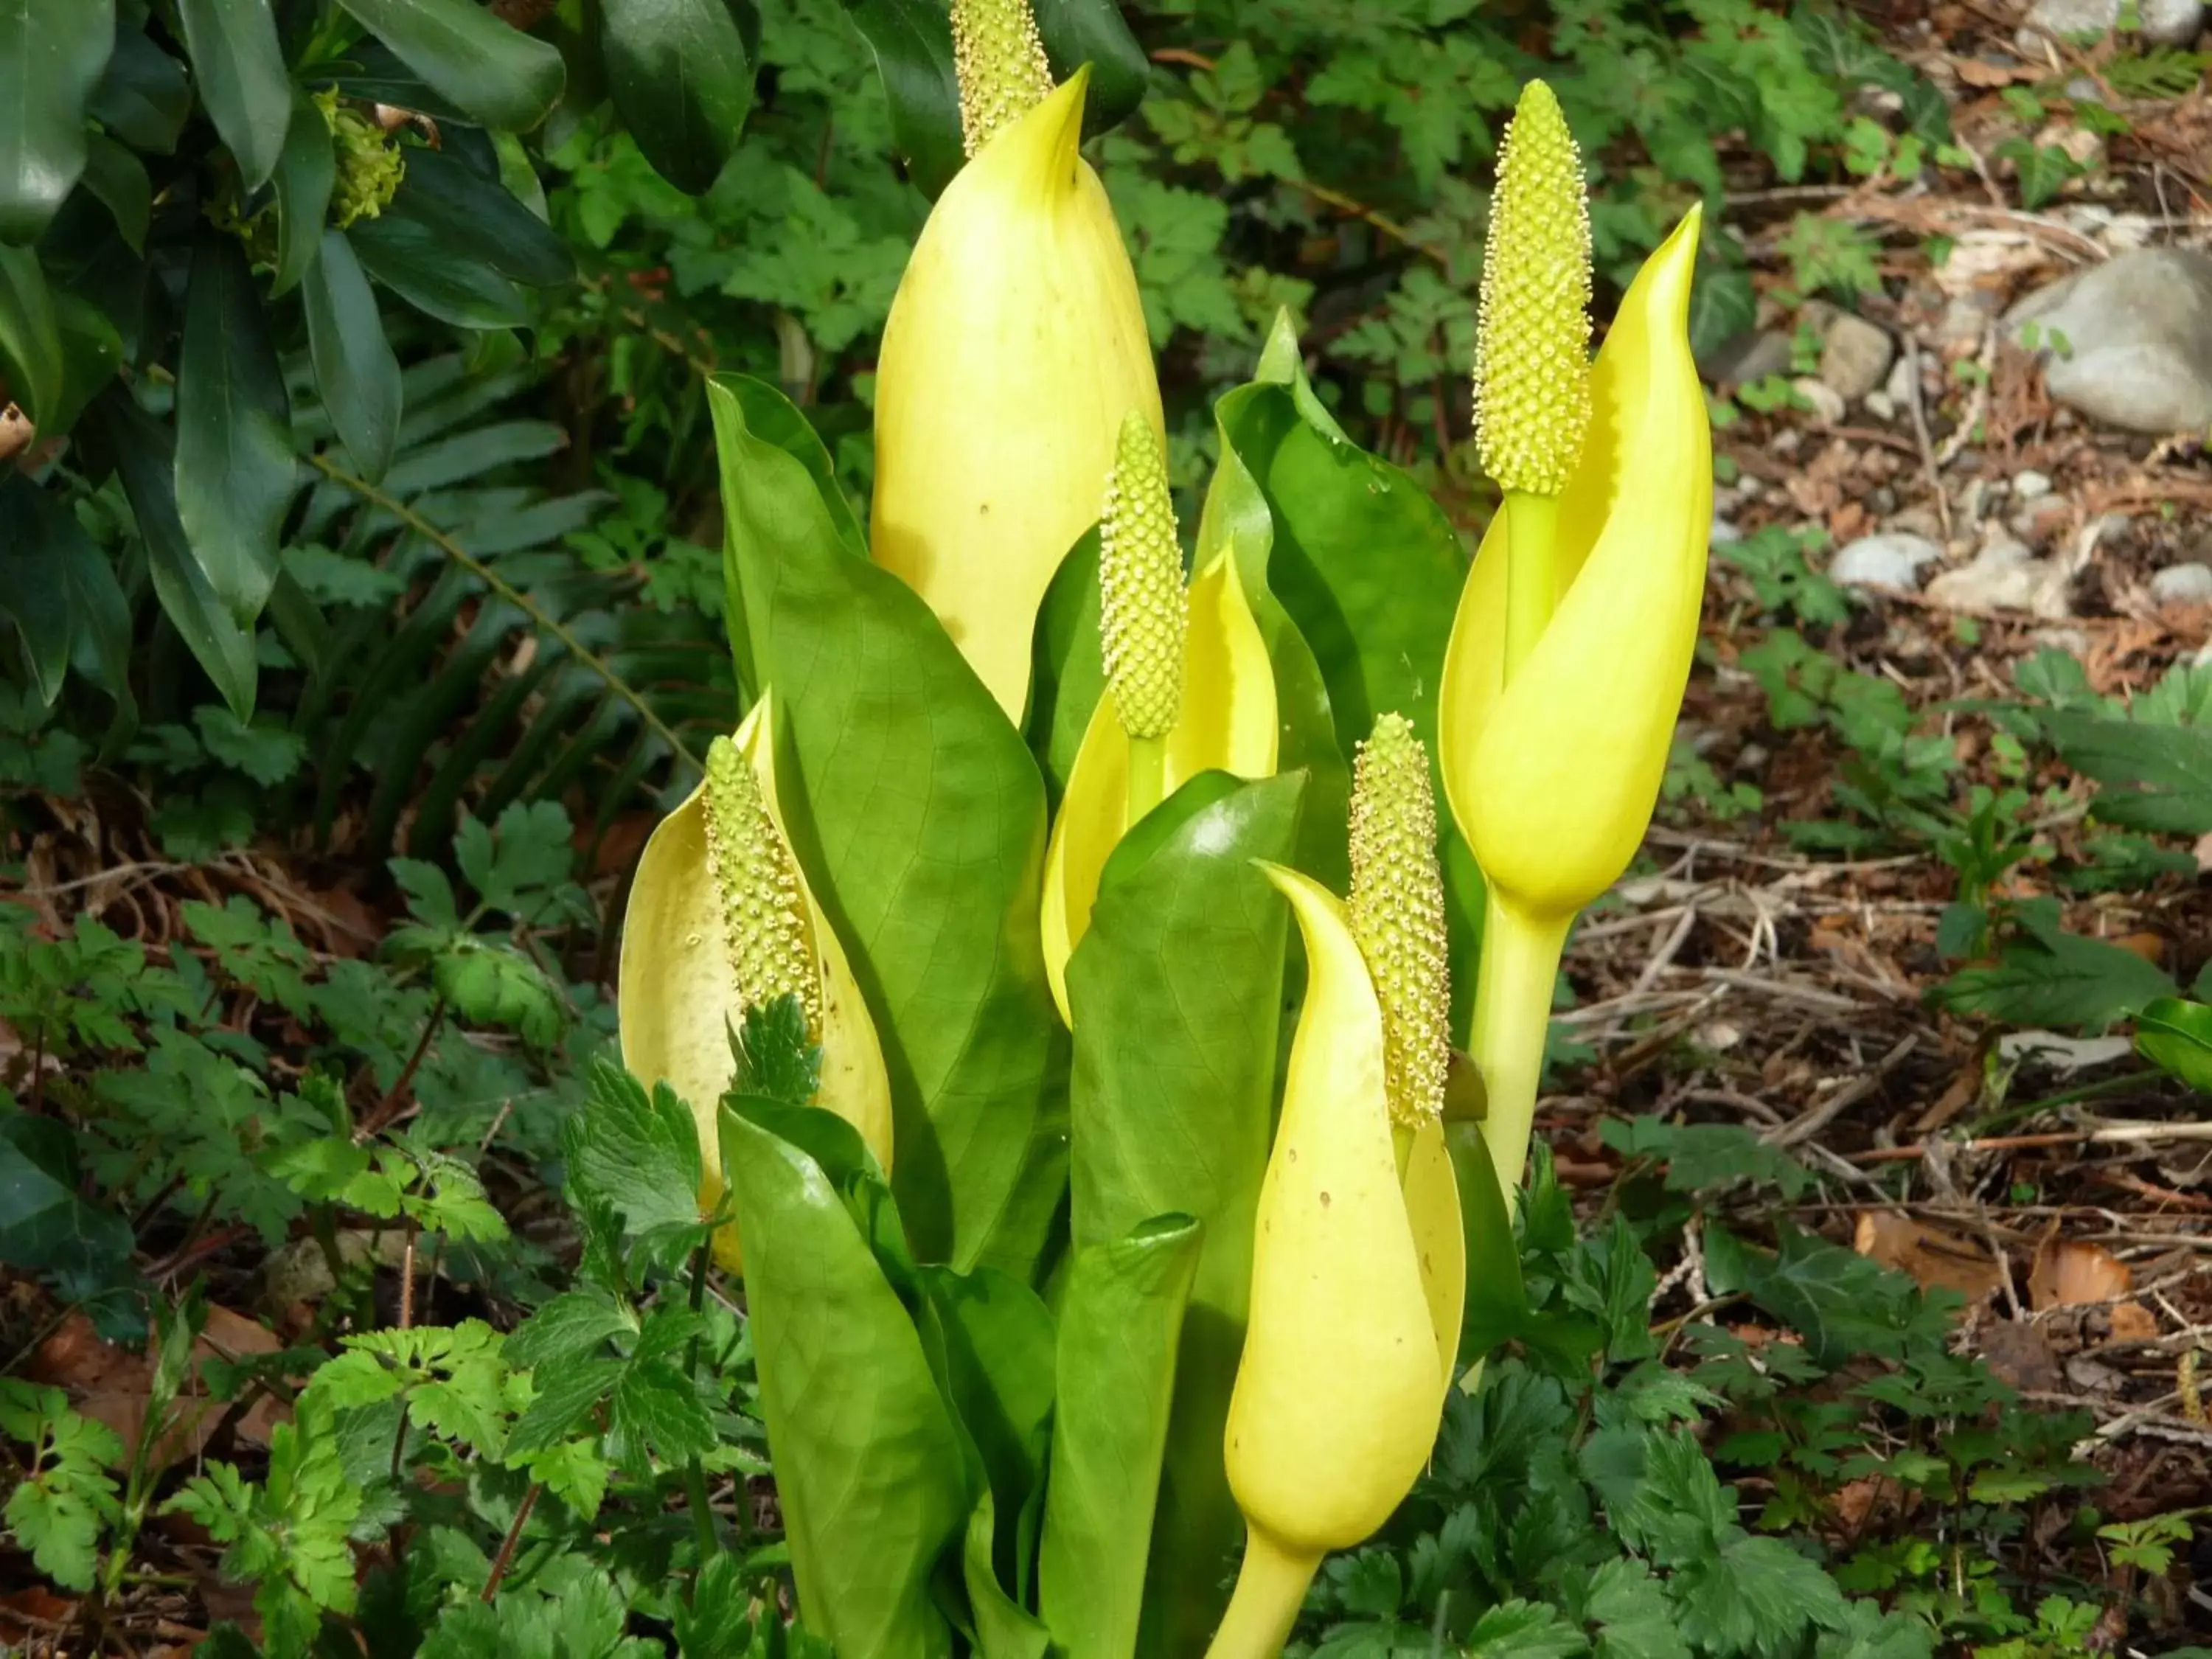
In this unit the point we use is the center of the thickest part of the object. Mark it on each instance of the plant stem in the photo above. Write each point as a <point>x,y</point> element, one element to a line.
<point>694,1470</point>
<point>1271,1588</point>
<point>1512,1019</point>
<point>1532,587</point>
<point>1148,775</point>
<point>505,1558</point>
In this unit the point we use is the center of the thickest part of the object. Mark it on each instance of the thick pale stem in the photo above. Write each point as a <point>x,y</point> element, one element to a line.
<point>1512,1015</point>
<point>1148,771</point>
<point>1271,1588</point>
<point>1531,582</point>
<point>1401,1143</point>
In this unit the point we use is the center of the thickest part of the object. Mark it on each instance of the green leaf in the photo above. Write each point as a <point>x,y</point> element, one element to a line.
<point>30,337</point>
<point>306,173</point>
<point>405,253</point>
<point>61,593</point>
<point>50,59</point>
<point>636,1151</point>
<point>239,67</point>
<point>1004,1628</point>
<point>140,448</point>
<point>868,1463</point>
<point>2047,976</point>
<point>993,1337</point>
<point>1069,673</point>
<point>357,372</point>
<point>912,40</point>
<point>477,221</point>
<point>1842,1303</point>
<point>144,99</point>
<point>44,1223</point>
<point>491,70</point>
<point>1121,1323</point>
<point>2157,777</point>
<point>2176,1036</point>
<point>918,816</point>
<point>776,1058</point>
<point>681,75</point>
<point>1186,947</point>
<point>118,179</point>
<point>235,469</point>
<point>1524,1629</point>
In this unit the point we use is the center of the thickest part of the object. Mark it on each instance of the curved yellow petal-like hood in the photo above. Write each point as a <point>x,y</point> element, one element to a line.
<point>677,997</point>
<point>1552,778</point>
<point>1015,345</point>
<point>1343,1373</point>
<point>1228,723</point>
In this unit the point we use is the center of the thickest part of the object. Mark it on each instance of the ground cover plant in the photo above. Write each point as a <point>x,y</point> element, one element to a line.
<point>364,1293</point>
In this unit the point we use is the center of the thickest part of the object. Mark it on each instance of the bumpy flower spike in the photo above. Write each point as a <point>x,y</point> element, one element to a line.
<point>1397,914</point>
<point>1143,611</point>
<point>764,919</point>
<point>999,58</point>
<point>1532,378</point>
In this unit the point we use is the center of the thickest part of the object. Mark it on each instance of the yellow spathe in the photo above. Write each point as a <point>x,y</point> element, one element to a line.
<point>678,999</point>
<point>1014,346</point>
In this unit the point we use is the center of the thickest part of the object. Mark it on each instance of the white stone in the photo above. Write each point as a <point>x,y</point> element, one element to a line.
<point>1890,559</point>
<point>1880,406</point>
<point>2160,22</point>
<point>1855,356</point>
<point>2183,583</point>
<point>2030,486</point>
<point>1899,387</point>
<point>2005,575</point>
<point>1826,403</point>
<point>2130,341</point>
<point>1723,532</point>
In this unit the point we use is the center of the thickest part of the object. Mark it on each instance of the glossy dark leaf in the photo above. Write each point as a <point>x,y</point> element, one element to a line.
<point>30,337</point>
<point>92,351</point>
<point>60,591</point>
<point>868,1463</point>
<point>305,174</point>
<point>118,179</point>
<point>919,818</point>
<point>500,76</point>
<point>912,40</point>
<point>144,99</point>
<point>2176,1036</point>
<point>475,219</point>
<point>405,255</point>
<point>357,373</point>
<point>993,1337</point>
<point>141,449</point>
<point>1121,1325</point>
<point>52,53</point>
<point>681,75</point>
<point>242,80</point>
<point>235,470</point>
<point>1177,989</point>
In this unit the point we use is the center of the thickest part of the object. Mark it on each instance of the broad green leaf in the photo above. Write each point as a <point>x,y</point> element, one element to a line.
<point>242,80</point>
<point>30,337</point>
<point>497,75</point>
<point>305,173</point>
<point>2156,777</point>
<point>1068,675</point>
<point>61,593</point>
<point>634,1150</point>
<point>1497,1301</point>
<point>142,447</point>
<point>1120,1324</point>
<point>681,75</point>
<point>118,179</point>
<point>1004,1628</point>
<point>1843,1304</point>
<point>44,1223</point>
<point>2049,977</point>
<point>1179,983</point>
<point>92,350</point>
<point>235,471</point>
<point>476,220</point>
<point>52,53</point>
<point>994,1337</point>
<point>912,40</point>
<point>406,254</point>
<point>144,97</point>
<point>868,1464</point>
<point>2176,1036</point>
<point>357,372</point>
<point>919,818</point>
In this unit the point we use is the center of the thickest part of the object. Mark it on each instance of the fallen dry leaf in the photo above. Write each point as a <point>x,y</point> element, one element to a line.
<point>1930,1256</point>
<point>2133,1322</point>
<point>111,1385</point>
<point>2151,947</point>
<point>1975,73</point>
<point>2204,854</point>
<point>2070,1274</point>
<point>2020,1353</point>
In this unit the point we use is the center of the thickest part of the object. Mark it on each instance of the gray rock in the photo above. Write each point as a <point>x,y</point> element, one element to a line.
<point>2161,23</point>
<point>1879,406</point>
<point>1891,559</point>
<point>2005,575</point>
<point>1965,317</point>
<point>2030,486</point>
<point>1854,356</point>
<point>2130,341</point>
<point>1748,357</point>
<point>2183,583</point>
<point>1826,403</point>
<point>1723,532</point>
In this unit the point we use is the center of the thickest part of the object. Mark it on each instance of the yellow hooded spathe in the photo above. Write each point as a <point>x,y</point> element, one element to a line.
<point>1014,346</point>
<point>1553,777</point>
<point>1227,723</point>
<point>678,999</point>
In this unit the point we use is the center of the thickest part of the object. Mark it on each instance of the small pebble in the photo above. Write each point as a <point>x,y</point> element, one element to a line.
<point>1827,403</point>
<point>1879,406</point>
<point>2028,486</point>
<point>1890,560</point>
<point>2183,583</point>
